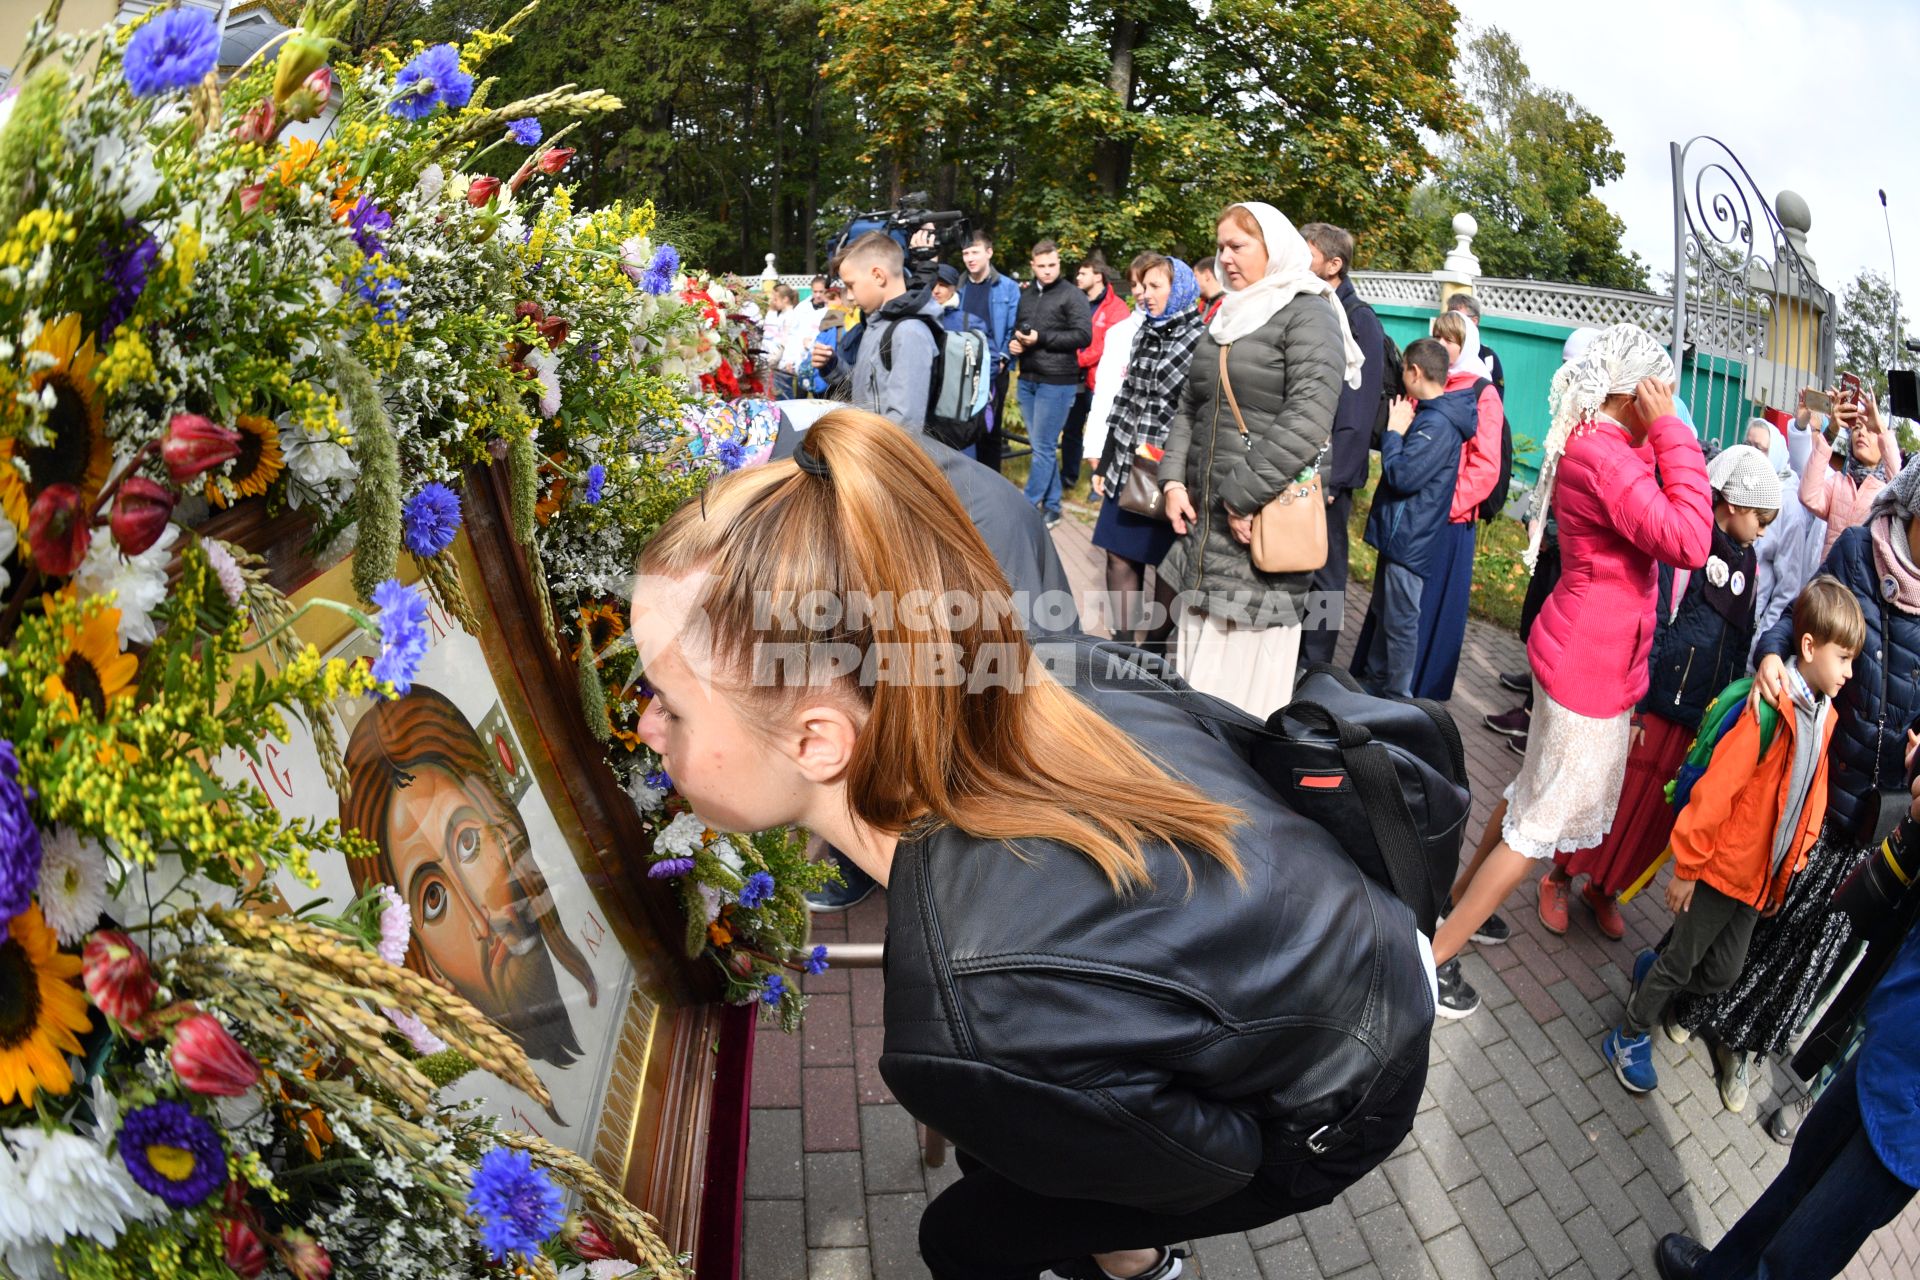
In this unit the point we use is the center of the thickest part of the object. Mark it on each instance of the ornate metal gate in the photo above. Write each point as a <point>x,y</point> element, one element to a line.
<point>1751,321</point>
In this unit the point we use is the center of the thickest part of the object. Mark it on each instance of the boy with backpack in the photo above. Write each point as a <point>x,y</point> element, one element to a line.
<point>1745,831</point>
<point>1418,458</point>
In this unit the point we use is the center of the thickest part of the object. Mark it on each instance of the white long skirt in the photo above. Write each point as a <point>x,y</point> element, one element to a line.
<point>1251,667</point>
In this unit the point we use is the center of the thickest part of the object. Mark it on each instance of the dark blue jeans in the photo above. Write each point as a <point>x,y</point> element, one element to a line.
<point>1814,1217</point>
<point>1044,407</point>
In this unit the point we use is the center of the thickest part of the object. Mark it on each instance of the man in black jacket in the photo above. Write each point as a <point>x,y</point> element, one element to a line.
<point>1353,422</point>
<point>1055,321</point>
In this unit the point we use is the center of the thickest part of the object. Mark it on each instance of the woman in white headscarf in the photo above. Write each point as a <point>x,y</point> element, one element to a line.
<point>1625,481</point>
<point>1283,343</point>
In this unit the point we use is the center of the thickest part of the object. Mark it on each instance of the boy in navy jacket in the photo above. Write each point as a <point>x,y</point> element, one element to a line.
<point>1419,456</point>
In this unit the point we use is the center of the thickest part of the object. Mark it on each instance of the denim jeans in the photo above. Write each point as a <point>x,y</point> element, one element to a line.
<point>1393,644</point>
<point>1813,1218</point>
<point>1044,407</point>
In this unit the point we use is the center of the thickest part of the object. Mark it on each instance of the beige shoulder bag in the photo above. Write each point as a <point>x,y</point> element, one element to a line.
<point>1290,532</point>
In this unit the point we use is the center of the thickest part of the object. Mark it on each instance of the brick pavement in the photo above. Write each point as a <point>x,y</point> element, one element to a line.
<point>1526,1160</point>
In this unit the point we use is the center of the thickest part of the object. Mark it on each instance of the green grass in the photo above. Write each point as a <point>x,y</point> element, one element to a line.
<point>1499,574</point>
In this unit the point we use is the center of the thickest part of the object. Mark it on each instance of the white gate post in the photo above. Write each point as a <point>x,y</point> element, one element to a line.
<point>1458,273</point>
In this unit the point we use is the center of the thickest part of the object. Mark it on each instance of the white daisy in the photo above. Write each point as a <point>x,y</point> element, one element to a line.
<point>73,884</point>
<point>138,583</point>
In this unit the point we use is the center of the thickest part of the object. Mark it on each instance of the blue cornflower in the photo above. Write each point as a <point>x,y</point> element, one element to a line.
<point>731,454</point>
<point>596,484</point>
<point>433,77</point>
<point>667,868</point>
<point>432,519</point>
<point>757,889</point>
<point>403,634</point>
<point>659,779</point>
<point>659,276</point>
<point>525,132</point>
<point>382,293</point>
<point>775,989</point>
<point>368,220</point>
<point>127,271</point>
<point>817,961</point>
<point>173,51</point>
<point>517,1204</point>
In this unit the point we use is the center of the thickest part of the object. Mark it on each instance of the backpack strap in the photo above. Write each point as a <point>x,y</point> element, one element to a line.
<point>939,343</point>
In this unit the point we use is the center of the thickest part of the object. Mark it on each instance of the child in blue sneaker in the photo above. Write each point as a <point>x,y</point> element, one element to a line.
<point>1744,832</point>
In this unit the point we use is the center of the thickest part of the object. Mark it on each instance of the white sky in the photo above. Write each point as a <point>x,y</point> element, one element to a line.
<point>1820,98</point>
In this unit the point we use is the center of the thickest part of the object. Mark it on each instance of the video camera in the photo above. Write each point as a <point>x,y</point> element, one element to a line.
<point>951,229</point>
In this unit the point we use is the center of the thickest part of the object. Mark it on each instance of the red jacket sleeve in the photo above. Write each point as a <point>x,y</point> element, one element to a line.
<point>1479,457</point>
<point>1669,518</point>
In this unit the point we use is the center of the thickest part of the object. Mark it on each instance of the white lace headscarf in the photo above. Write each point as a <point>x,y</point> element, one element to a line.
<point>1614,363</point>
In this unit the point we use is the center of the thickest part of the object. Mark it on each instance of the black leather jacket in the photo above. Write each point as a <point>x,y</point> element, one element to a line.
<point>1165,1050</point>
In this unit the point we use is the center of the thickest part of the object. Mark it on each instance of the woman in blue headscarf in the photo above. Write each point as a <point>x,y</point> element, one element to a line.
<point>1137,428</point>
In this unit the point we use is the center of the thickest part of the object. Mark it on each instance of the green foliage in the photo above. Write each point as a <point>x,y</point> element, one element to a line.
<point>1528,171</point>
<point>1863,337</point>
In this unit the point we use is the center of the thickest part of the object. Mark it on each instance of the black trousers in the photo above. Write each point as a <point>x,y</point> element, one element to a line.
<point>1073,438</point>
<point>990,449</point>
<point>1546,576</point>
<point>1327,607</point>
<point>987,1227</point>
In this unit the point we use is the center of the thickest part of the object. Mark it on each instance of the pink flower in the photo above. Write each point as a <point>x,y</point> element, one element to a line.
<point>118,978</point>
<point>141,511</point>
<point>232,583</point>
<point>554,159</point>
<point>422,1040</point>
<point>250,196</point>
<point>257,125</point>
<point>396,926</point>
<point>304,1256</point>
<point>209,1060</point>
<point>194,444</point>
<point>58,530</point>
<point>482,190</point>
<point>245,1255</point>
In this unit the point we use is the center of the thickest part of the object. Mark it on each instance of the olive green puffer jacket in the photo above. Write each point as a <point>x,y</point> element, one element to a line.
<point>1287,376</point>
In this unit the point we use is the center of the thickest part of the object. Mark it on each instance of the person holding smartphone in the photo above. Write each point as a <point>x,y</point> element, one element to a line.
<point>1054,323</point>
<point>1865,457</point>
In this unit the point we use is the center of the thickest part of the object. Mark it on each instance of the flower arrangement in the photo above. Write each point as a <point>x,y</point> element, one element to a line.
<point>205,302</point>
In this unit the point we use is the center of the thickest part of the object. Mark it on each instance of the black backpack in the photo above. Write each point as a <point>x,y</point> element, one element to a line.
<point>1392,384</point>
<point>1386,777</point>
<point>1496,502</point>
<point>958,390</point>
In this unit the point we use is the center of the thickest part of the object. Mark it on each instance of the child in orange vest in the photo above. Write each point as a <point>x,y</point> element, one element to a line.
<point>1744,833</point>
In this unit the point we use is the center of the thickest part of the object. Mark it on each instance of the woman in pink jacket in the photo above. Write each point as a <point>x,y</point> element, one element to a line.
<point>1841,490</point>
<point>1628,487</point>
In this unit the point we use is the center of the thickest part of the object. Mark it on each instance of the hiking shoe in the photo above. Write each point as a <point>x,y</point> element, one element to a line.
<point>1678,1257</point>
<point>1517,681</point>
<point>1457,998</point>
<point>1553,902</point>
<point>1606,911</point>
<point>1511,724</point>
<point>1632,1060</point>
<point>1783,1122</point>
<point>1518,745</point>
<point>1675,1032</point>
<point>1732,1072</point>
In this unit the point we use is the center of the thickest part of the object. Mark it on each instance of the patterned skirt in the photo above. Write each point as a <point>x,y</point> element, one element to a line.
<point>1789,960</point>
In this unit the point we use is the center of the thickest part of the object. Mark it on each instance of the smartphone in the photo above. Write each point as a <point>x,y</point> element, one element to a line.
<point>1817,401</point>
<point>1850,386</point>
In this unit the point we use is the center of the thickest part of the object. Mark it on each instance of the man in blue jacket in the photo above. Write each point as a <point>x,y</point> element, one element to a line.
<point>1353,422</point>
<point>1419,456</point>
<point>996,300</point>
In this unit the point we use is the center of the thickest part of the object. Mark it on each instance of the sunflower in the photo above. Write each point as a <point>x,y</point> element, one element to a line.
<point>92,670</point>
<point>40,1010</point>
<point>257,467</point>
<point>600,625</point>
<point>77,451</point>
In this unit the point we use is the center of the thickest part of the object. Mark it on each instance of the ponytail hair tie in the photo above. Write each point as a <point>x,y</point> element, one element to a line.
<point>811,463</point>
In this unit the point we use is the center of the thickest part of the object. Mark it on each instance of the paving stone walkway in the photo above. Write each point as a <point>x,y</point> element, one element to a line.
<point>1527,1158</point>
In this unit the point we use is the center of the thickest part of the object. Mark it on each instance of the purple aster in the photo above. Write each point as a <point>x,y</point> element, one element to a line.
<point>757,889</point>
<point>173,51</point>
<point>817,961</point>
<point>403,635</point>
<point>173,1153</point>
<point>775,989</point>
<point>432,520</point>
<point>667,868</point>
<point>659,276</point>
<point>731,454</point>
<point>19,841</point>
<point>525,132</point>
<point>127,270</point>
<point>433,77</point>
<point>596,484</point>
<point>368,220</point>
<point>517,1204</point>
